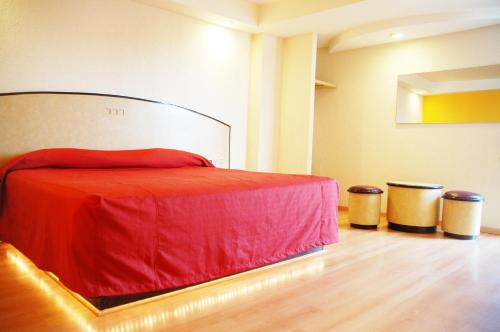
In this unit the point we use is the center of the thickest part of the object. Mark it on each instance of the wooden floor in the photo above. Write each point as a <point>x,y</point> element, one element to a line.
<point>369,281</point>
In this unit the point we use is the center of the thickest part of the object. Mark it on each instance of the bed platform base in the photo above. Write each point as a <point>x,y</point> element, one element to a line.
<point>101,306</point>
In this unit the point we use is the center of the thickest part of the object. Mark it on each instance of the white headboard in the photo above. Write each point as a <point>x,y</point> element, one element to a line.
<point>37,120</point>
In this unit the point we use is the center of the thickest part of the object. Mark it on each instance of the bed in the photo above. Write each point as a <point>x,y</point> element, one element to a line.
<point>117,225</point>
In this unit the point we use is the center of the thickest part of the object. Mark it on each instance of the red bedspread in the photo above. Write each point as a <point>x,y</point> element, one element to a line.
<point>116,223</point>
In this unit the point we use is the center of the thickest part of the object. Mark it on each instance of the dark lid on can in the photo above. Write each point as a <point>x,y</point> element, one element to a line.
<point>365,190</point>
<point>459,195</point>
<point>416,185</point>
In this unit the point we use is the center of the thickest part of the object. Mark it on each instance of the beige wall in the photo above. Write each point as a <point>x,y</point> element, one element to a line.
<point>128,48</point>
<point>264,103</point>
<point>281,103</point>
<point>357,141</point>
<point>297,104</point>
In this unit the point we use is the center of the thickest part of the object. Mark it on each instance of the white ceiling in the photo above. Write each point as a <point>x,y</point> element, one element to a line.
<point>343,24</point>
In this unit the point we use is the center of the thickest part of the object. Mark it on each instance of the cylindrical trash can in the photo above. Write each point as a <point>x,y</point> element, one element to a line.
<point>413,207</point>
<point>462,214</point>
<point>364,206</point>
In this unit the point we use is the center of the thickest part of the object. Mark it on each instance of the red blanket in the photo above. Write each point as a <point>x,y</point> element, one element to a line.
<point>123,222</point>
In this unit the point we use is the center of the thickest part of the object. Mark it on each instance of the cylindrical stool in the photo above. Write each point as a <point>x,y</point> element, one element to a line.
<point>364,206</point>
<point>462,214</point>
<point>413,207</point>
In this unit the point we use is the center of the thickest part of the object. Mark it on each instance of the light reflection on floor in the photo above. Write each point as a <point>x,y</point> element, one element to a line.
<point>49,288</point>
<point>161,315</point>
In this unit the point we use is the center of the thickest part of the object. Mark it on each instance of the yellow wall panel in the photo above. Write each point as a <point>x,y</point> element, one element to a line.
<point>477,106</point>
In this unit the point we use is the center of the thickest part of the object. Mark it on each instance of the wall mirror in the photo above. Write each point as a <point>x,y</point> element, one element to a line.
<point>450,96</point>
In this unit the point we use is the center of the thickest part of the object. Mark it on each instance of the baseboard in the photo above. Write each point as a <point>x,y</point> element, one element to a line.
<point>490,230</point>
<point>484,229</point>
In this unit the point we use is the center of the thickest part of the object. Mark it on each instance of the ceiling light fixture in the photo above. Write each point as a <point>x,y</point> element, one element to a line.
<point>397,35</point>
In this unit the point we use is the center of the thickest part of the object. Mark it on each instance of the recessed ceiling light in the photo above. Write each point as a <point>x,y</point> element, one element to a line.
<point>397,35</point>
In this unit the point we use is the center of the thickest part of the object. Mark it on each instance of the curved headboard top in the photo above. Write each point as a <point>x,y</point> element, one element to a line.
<point>49,119</point>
